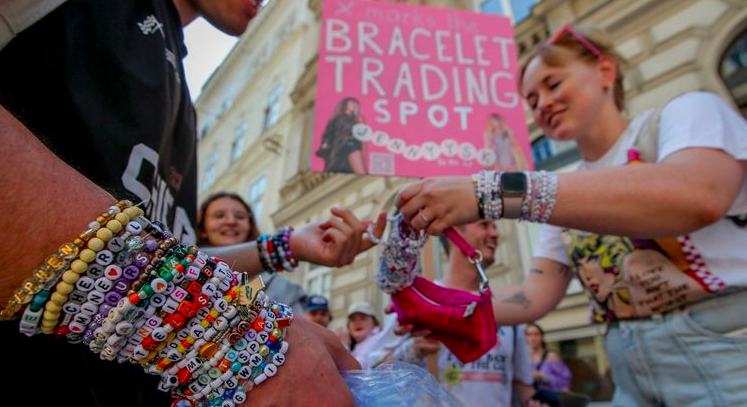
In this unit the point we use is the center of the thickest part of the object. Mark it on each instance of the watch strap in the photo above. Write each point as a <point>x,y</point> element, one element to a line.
<point>512,206</point>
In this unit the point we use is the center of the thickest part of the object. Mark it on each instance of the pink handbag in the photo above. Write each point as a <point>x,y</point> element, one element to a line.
<point>462,321</point>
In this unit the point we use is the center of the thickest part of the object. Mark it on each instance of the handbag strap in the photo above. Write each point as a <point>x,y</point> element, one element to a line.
<point>474,256</point>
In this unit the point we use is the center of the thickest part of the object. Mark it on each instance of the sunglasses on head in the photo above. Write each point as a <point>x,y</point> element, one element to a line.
<point>568,29</point>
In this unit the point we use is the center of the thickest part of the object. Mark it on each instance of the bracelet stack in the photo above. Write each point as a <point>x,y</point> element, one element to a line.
<point>275,253</point>
<point>539,197</point>
<point>489,202</point>
<point>539,202</point>
<point>130,292</point>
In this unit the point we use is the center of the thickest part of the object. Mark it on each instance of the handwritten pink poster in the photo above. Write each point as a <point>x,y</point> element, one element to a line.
<point>416,91</point>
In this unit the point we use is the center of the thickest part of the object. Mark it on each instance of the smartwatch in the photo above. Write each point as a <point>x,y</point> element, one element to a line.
<point>513,188</point>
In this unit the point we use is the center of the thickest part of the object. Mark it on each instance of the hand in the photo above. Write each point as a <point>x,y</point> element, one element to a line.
<point>435,204</point>
<point>420,344</point>
<point>337,241</point>
<point>537,375</point>
<point>311,373</point>
<point>423,346</point>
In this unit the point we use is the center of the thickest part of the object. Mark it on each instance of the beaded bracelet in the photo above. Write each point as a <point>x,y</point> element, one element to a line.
<point>144,298</point>
<point>44,277</point>
<point>107,278</point>
<point>275,253</point>
<point>487,194</point>
<point>539,201</point>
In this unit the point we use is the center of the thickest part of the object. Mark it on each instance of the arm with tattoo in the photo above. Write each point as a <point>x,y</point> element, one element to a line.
<point>542,289</point>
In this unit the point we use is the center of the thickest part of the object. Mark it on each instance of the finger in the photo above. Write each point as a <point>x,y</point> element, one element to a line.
<point>349,218</point>
<point>404,329</point>
<point>423,219</point>
<point>411,209</point>
<point>378,231</point>
<point>324,226</point>
<point>406,193</point>
<point>380,225</point>
<point>437,227</point>
<point>430,348</point>
<point>341,226</point>
<point>334,237</point>
<point>421,333</point>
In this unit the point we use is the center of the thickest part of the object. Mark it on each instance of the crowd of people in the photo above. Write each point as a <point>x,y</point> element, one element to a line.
<point>673,304</point>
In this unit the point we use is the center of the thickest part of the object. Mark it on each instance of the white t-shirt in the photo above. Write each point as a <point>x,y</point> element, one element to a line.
<point>639,282</point>
<point>488,381</point>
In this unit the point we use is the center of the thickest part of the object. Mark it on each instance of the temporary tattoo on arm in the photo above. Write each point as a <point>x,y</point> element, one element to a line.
<point>520,299</point>
<point>565,271</point>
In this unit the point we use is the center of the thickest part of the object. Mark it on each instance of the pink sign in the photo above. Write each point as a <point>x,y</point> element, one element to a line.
<point>416,91</point>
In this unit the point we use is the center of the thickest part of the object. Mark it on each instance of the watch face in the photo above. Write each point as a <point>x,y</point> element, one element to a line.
<point>513,183</point>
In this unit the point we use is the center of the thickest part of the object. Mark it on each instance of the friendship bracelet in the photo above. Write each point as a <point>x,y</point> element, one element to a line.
<point>130,292</point>
<point>108,280</point>
<point>540,197</point>
<point>53,265</point>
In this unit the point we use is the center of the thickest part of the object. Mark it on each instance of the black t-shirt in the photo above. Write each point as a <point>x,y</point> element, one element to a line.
<point>338,143</point>
<point>101,83</point>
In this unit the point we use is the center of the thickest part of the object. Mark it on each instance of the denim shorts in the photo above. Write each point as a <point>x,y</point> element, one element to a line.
<point>695,357</point>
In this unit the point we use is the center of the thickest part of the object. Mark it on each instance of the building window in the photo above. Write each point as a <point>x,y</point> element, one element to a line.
<point>319,281</point>
<point>733,71</point>
<point>227,103</point>
<point>549,155</point>
<point>211,170</point>
<point>237,146</point>
<point>256,193</point>
<point>542,149</point>
<point>204,129</point>
<point>272,110</point>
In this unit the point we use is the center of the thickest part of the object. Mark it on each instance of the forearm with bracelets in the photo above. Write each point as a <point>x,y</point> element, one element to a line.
<point>537,204</point>
<point>129,291</point>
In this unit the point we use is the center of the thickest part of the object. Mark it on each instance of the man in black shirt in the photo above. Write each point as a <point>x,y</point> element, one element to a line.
<point>93,99</point>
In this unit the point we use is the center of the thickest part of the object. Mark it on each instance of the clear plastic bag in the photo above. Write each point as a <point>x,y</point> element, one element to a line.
<point>397,384</point>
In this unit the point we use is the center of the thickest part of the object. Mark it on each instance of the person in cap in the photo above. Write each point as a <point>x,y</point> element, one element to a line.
<point>362,327</point>
<point>317,310</point>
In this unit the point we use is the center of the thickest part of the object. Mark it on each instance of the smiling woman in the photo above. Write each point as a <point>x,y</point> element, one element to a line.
<point>225,219</point>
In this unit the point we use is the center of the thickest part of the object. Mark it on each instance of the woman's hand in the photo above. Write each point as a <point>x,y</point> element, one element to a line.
<point>337,241</point>
<point>435,204</point>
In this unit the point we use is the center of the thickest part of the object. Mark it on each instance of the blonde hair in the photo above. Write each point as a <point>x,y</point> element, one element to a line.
<point>566,46</point>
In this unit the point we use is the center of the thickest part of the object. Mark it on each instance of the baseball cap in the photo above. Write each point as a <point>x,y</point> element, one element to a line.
<point>317,302</point>
<point>362,307</point>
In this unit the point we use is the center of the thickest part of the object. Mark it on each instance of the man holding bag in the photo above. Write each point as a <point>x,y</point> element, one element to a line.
<point>491,379</point>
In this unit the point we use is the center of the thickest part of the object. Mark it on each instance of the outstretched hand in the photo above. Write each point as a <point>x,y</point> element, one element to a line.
<point>435,204</point>
<point>336,241</point>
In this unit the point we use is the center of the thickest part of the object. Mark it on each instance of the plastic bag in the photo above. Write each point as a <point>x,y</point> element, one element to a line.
<point>397,384</point>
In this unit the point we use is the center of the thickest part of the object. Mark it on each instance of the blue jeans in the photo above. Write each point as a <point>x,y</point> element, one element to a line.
<point>684,358</point>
